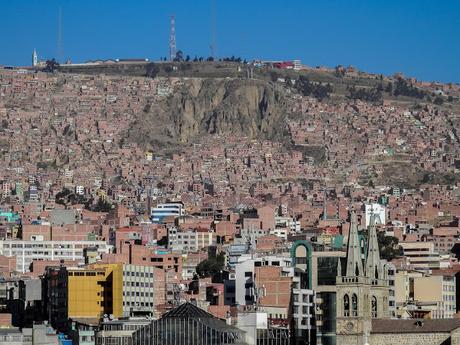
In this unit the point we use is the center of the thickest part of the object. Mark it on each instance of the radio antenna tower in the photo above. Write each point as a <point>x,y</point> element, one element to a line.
<point>213,29</point>
<point>172,39</point>
<point>59,36</point>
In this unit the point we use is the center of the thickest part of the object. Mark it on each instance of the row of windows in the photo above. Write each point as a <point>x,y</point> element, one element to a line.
<point>87,274</point>
<point>137,304</point>
<point>138,274</point>
<point>137,294</point>
<point>38,252</point>
<point>448,288</point>
<point>51,245</point>
<point>304,298</point>
<point>138,284</point>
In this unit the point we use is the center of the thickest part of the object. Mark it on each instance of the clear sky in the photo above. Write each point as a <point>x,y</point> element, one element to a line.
<point>420,38</point>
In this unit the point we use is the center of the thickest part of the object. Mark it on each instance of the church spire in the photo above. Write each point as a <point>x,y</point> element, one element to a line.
<point>34,58</point>
<point>373,255</point>
<point>354,262</point>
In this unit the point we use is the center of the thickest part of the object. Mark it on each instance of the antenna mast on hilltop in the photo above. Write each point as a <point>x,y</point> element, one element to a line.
<point>59,36</point>
<point>172,39</point>
<point>213,29</point>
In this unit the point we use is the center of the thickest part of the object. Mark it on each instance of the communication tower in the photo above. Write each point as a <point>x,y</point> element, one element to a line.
<point>172,39</point>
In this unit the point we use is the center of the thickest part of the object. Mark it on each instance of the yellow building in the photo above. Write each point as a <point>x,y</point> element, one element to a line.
<point>95,291</point>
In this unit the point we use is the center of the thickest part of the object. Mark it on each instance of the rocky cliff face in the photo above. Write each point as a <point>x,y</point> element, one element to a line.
<point>252,108</point>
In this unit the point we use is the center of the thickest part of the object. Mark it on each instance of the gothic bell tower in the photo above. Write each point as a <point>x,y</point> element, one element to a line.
<point>353,293</point>
<point>363,291</point>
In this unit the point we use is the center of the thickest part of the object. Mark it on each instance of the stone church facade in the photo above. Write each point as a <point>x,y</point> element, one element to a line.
<point>362,288</point>
<point>362,310</point>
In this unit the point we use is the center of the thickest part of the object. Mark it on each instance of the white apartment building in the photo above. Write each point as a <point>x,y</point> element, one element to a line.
<point>189,241</point>
<point>158,213</point>
<point>27,251</point>
<point>377,209</point>
<point>288,222</point>
<point>280,232</point>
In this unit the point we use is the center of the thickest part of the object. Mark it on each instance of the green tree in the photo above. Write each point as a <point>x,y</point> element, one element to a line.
<point>211,267</point>
<point>102,206</point>
<point>389,246</point>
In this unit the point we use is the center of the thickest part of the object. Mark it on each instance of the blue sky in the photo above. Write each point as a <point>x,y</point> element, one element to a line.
<point>417,37</point>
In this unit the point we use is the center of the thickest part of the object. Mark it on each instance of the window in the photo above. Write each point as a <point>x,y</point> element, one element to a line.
<point>301,260</point>
<point>354,305</point>
<point>374,307</point>
<point>346,305</point>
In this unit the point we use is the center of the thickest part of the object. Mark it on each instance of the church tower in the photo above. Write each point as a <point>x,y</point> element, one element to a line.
<point>377,273</point>
<point>34,58</point>
<point>362,292</point>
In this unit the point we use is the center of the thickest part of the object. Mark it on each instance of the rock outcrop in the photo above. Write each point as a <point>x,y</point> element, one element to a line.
<point>251,108</point>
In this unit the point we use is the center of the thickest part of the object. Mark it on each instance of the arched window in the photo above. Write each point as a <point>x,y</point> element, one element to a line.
<point>376,273</point>
<point>374,307</point>
<point>346,305</point>
<point>354,305</point>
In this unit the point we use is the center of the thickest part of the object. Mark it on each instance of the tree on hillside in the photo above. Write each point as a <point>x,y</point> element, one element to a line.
<point>438,100</point>
<point>340,71</point>
<point>308,88</point>
<point>51,66</point>
<point>152,70</point>
<point>179,56</point>
<point>102,206</point>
